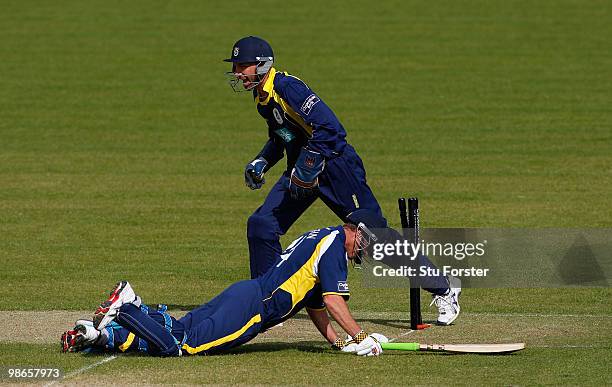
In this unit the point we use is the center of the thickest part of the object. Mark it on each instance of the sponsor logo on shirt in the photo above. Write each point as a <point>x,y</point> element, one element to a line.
<point>309,103</point>
<point>343,286</point>
<point>285,134</point>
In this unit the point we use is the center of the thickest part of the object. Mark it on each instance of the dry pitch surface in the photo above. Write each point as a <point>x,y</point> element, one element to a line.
<point>298,337</point>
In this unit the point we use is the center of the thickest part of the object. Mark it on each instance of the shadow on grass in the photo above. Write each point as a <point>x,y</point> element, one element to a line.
<point>392,323</point>
<point>303,346</point>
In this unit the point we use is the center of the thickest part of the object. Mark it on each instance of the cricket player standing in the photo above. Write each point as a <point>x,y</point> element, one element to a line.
<point>320,162</point>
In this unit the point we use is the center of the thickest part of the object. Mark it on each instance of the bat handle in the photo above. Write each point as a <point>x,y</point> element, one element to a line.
<point>401,346</point>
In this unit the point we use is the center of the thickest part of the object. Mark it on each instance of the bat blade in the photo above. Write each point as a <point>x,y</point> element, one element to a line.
<point>455,348</point>
<point>474,348</point>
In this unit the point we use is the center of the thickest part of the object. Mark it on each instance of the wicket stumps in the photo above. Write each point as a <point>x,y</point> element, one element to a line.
<point>409,218</point>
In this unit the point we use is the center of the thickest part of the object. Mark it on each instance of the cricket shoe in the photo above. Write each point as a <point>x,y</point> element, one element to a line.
<point>121,294</point>
<point>84,322</point>
<point>448,304</point>
<point>79,338</point>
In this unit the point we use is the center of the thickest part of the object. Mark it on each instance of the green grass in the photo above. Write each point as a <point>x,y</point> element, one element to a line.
<point>122,150</point>
<point>246,367</point>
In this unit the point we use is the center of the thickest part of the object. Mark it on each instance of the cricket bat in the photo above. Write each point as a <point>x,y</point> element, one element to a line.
<point>455,348</point>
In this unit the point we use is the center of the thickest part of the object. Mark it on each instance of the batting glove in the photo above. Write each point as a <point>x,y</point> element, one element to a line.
<point>369,346</point>
<point>304,179</point>
<point>379,337</point>
<point>254,173</point>
<point>348,345</point>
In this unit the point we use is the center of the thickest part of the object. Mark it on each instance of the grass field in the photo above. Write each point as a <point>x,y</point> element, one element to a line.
<point>122,151</point>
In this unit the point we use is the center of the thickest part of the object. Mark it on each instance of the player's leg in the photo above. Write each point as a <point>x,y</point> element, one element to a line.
<point>448,303</point>
<point>344,189</point>
<point>124,307</point>
<point>232,318</point>
<point>117,337</point>
<point>445,290</point>
<point>86,334</point>
<point>271,220</point>
<point>343,186</point>
<point>150,331</point>
<point>434,284</point>
<point>113,337</point>
<point>121,294</point>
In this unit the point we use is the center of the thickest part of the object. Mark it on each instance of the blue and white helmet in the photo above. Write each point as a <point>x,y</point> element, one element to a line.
<point>366,221</point>
<point>251,49</point>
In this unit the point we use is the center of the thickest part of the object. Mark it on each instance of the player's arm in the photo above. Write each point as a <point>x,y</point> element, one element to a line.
<point>339,310</point>
<point>254,171</point>
<point>333,274</point>
<point>272,152</point>
<point>327,129</point>
<point>335,291</point>
<point>365,344</point>
<point>321,320</point>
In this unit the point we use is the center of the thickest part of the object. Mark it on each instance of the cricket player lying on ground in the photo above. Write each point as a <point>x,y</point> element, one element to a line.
<point>311,273</point>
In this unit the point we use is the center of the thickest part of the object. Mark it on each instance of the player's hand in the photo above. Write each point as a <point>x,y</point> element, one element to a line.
<point>254,173</point>
<point>370,346</point>
<point>351,345</point>
<point>347,346</point>
<point>350,348</point>
<point>304,179</point>
<point>380,338</point>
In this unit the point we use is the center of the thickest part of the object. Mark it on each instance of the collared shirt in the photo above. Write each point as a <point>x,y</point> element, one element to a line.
<point>312,266</point>
<point>297,117</point>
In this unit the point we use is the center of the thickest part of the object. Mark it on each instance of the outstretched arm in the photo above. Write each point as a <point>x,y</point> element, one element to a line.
<point>366,345</point>
<point>339,310</point>
<point>321,320</point>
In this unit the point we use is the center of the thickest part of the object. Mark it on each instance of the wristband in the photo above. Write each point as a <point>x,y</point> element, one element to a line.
<point>339,344</point>
<point>359,337</point>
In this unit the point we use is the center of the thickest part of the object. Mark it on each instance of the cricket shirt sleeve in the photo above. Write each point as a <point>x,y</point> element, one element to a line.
<point>333,270</point>
<point>328,135</point>
<point>316,299</point>
<point>272,151</point>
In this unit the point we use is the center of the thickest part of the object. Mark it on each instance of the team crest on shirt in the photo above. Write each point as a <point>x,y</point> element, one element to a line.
<point>309,103</point>
<point>236,51</point>
<point>343,286</point>
<point>310,161</point>
<point>277,116</point>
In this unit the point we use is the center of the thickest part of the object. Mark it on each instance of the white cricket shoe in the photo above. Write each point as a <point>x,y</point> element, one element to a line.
<point>90,333</point>
<point>121,294</point>
<point>84,322</point>
<point>448,304</point>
